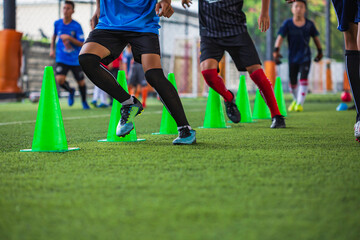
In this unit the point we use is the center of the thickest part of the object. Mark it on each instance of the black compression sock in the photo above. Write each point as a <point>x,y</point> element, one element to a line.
<point>101,77</point>
<point>168,95</point>
<point>66,86</point>
<point>82,90</point>
<point>352,59</point>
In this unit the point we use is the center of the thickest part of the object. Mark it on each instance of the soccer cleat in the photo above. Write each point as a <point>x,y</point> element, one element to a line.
<point>299,108</point>
<point>278,121</point>
<point>292,106</point>
<point>85,105</point>
<point>94,103</point>
<point>71,97</point>
<point>232,110</point>
<point>103,105</point>
<point>186,137</point>
<point>357,131</point>
<point>128,113</point>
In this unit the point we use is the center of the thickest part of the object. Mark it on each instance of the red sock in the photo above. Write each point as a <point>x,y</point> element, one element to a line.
<point>217,83</point>
<point>266,90</point>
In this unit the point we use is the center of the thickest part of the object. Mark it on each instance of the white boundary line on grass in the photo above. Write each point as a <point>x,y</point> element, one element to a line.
<point>80,117</point>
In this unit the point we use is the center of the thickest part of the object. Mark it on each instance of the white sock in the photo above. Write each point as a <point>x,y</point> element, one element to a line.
<point>185,126</point>
<point>302,91</point>
<point>293,89</point>
<point>129,101</point>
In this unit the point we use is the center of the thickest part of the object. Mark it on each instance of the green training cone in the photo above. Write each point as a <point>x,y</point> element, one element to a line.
<point>168,124</point>
<point>243,102</point>
<point>49,134</point>
<point>261,110</point>
<point>115,117</point>
<point>279,95</point>
<point>214,115</point>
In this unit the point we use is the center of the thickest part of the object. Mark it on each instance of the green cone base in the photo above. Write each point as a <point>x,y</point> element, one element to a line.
<point>158,133</point>
<point>137,140</point>
<point>215,127</point>
<point>51,151</point>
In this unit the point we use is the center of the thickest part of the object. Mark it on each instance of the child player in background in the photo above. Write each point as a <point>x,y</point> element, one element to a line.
<point>298,31</point>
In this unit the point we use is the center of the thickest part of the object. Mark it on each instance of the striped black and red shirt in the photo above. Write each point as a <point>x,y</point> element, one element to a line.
<point>221,18</point>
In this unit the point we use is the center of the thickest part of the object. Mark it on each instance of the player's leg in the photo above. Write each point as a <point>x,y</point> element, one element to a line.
<point>80,78</point>
<point>144,92</point>
<point>103,46</point>
<point>146,50</point>
<point>103,99</point>
<point>95,95</point>
<point>267,91</point>
<point>293,75</point>
<point>169,97</point>
<point>246,58</point>
<point>303,88</point>
<point>352,55</point>
<point>61,71</point>
<point>143,86</point>
<point>211,54</point>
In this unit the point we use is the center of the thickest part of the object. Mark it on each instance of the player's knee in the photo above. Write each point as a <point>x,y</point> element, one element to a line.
<point>253,68</point>
<point>89,61</point>
<point>209,64</point>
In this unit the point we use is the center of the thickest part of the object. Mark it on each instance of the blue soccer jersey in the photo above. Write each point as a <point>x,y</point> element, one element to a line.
<point>66,52</point>
<point>298,40</point>
<point>129,15</point>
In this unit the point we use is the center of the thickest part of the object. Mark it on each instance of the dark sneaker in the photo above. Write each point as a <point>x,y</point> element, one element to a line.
<point>186,137</point>
<point>128,113</point>
<point>278,121</point>
<point>71,97</point>
<point>232,110</point>
<point>85,105</point>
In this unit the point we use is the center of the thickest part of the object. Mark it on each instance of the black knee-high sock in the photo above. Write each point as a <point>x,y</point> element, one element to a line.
<point>66,86</point>
<point>168,95</point>
<point>82,90</point>
<point>101,77</point>
<point>352,59</point>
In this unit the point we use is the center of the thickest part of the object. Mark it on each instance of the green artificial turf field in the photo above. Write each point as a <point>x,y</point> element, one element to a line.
<point>245,182</point>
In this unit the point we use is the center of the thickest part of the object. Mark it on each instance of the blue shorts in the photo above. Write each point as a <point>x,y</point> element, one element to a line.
<point>347,11</point>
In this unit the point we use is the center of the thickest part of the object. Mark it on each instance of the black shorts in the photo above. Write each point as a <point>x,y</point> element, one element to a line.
<point>137,76</point>
<point>347,11</point>
<point>240,47</point>
<point>116,41</point>
<point>295,68</point>
<point>63,69</point>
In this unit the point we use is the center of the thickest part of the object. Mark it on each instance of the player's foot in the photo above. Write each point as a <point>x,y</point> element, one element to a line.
<point>357,131</point>
<point>186,137</point>
<point>71,97</point>
<point>299,108</point>
<point>232,110</point>
<point>291,108</point>
<point>103,105</point>
<point>128,113</point>
<point>278,121</point>
<point>94,103</point>
<point>85,105</point>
